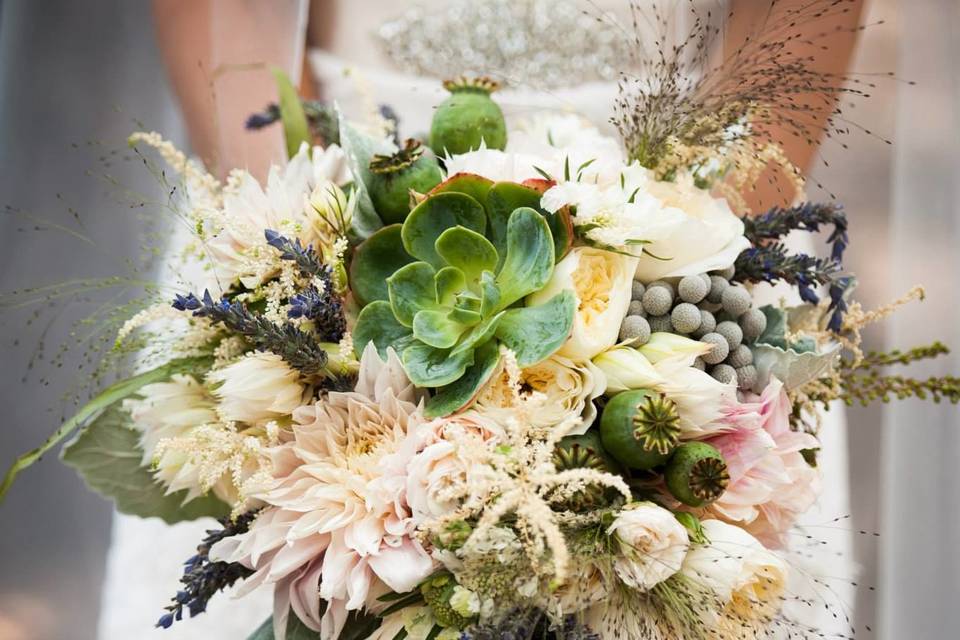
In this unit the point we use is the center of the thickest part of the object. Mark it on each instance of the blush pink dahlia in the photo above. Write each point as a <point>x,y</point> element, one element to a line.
<point>336,525</point>
<point>770,481</point>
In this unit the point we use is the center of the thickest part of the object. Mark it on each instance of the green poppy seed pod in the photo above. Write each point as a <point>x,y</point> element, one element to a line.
<point>696,474</point>
<point>468,117</point>
<point>585,452</point>
<point>393,177</point>
<point>640,428</point>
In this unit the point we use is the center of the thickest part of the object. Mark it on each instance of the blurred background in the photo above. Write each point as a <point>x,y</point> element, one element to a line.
<point>77,77</point>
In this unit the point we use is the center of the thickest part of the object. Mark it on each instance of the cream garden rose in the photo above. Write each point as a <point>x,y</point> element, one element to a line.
<point>652,545</point>
<point>705,236</point>
<point>603,282</point>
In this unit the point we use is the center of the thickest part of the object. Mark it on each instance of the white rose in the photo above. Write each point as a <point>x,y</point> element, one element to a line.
<point>652,545</point>
<point>706,236</point>
<point>561,387</point>
<point>741,573</point>
<point>258,387</point>
<point>603,283</point>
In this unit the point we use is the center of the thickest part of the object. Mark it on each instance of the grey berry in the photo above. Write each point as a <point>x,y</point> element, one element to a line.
<point>662,283</point>
<point>727,273</point>
<point>660,324</point>
<point>753,323</point>
<point>700,364</point>
<point>636,330</point>
<point>706,279</point>
<point>636,309</point>
<point>732,332</point>
<point>740,357</point>
<point>736,301</point>
<point>717,286</point>
<point>693,289</point>
<point>720,349</point>
<point>657,300</point>
<point>747,377</point>
<point>724,373</point>
<point>638,290</point>
<point>685,318</point>
<point>707,324</point>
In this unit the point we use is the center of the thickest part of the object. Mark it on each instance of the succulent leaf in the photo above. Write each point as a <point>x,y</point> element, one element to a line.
<point>469,251</point>
<point>377,324</point>
<point>375,260</point>
<point>529,261</point>
<point>428,366</point>
<point>459,394</point>
<point>480,333</point>
<point>534,333</point>
<point>433,216</point>
<point>437,328</point>
<point>411,289</point>
<point>477,187</point>
<point>449,281</point>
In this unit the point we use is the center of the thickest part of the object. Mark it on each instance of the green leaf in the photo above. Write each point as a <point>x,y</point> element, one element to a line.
<point>436,328</point>
<point>479,334</point>
<point>490,300</point>
<point>794,369</point>
<point>535,333</point>
<point>450,282</point>
<point>359,148</point>
<point>375,260</point>
<point>503,199</point>
<point>92,410</point>
<point>435,215</point>
<point>107,455</point>
<point>776,332</point>
<point>296,130</point>
<point>359,626</point>
<point>412,289</point>
<point>469,251</point>
<point>427,366</point>
<point>377,324</point>
<point>461,393</point>
<point>529,262</point>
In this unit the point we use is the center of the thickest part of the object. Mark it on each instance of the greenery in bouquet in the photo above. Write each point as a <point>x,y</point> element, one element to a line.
<point>514,381</point>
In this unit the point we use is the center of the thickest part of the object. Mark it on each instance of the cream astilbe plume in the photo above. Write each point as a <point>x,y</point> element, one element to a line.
<point>336,525</point>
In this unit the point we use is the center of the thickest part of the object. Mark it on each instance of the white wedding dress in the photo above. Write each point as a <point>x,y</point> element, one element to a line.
<point>146,555</point>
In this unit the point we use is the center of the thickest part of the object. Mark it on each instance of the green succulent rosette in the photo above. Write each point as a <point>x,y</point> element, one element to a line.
<point>446,288</point>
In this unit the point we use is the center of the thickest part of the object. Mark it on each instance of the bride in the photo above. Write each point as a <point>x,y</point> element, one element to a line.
<point>550,54</point>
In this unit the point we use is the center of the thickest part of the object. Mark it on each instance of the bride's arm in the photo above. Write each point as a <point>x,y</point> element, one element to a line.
<point>218,54</point>
<point>830,44</point>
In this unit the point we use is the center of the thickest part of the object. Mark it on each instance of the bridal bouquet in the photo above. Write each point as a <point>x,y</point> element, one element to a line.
<point>495,383</point>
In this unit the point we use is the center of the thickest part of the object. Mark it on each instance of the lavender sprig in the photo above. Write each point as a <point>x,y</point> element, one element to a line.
<point>778,222</point>
<point>771,263</point>
<point>298,348</point>
<point>306,258</point>
<point>202,578</point>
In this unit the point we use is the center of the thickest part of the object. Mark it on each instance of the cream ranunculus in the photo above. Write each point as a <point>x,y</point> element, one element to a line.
<point>258,387</point>
<point>565,388</point>
<point>747,578</point>
<point>652,545</point>
<point>707,236</point>
<point>602,282</point>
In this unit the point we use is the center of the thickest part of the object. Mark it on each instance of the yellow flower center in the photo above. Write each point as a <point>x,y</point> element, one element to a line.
<point>593,281</point>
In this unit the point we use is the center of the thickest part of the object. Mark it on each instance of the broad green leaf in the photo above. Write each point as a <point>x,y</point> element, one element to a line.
<point>776,332</point>
<point>461,393</point>
<point>529,260</point>
<point>450,282</point>
<point>464,316</point>
<point>792,368</point>
<point>479,334</point>
<point>490,300</point>
<point>377,324</point>
<point>535,333</point>
<point>359,148</point>
<point>436,328</point>
<point>92,410</point>
<point>477,187</point>
<point>427,366</point>
<point>469,251</point>
<point>435,215</point>
<point>375,260</point>
<point>503,199</point>
<point>296,130</point>
<point>108,457</point>
<point>412,289</point>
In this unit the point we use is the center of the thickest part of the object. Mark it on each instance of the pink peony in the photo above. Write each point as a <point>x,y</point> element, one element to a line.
<point>770,482</point>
